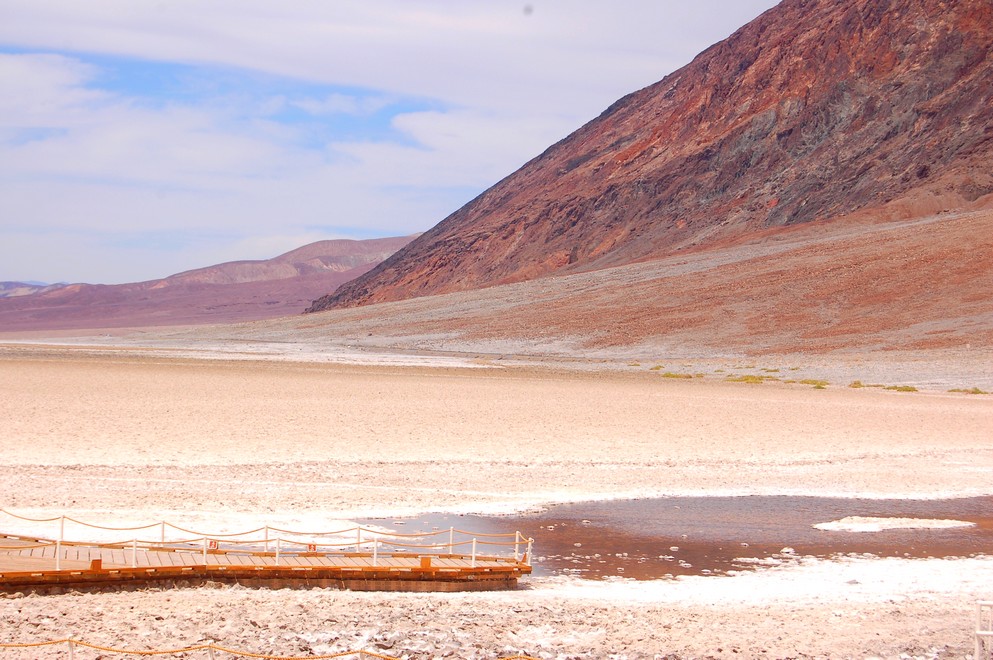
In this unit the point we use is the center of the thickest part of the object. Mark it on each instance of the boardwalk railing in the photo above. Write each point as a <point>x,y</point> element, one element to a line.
<point>280,543</point>
<point>984,630</point>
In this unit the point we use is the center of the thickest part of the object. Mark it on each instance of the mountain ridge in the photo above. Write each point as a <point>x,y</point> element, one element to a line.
<point>229,292</point>
<point>814,110</point>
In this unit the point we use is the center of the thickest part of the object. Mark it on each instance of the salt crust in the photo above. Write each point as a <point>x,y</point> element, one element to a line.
<point>86,438</point>
<point>872,524</point>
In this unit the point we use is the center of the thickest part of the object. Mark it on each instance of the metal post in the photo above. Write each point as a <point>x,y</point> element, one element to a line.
<point>358,539</point>
<point>279,546</point>
<point>375,552</point>
<point>474,553</point>
<point>134,553</point>
<point>162,535</point>
<point>451,540</point>
<point>530,548</point>
<point>517,543</point>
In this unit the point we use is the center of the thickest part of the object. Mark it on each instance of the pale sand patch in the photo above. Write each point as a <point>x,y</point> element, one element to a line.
<point>220,444</point>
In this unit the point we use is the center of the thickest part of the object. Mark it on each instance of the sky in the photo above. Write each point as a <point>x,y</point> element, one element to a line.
<point>142,138</point>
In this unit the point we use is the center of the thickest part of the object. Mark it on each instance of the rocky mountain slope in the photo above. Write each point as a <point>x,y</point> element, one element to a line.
<point>813,111</point>
<point>229,292</point>
<point>891,302</point>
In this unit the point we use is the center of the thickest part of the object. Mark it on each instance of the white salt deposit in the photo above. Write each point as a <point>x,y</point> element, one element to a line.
<point>871,524</point>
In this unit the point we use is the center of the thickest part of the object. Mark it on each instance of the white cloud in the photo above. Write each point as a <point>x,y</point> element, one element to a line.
<point>454,148</point>
<point>343,104</point>
<point>98,136</point>
<point>45,90</point>
<point>490,54</point>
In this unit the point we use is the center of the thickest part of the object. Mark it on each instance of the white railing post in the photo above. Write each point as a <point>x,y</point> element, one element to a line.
<point>451,540</point>
<point>205,551</point>
<point>162,532</point>
<point>375,552</point>
<point>134,553</point>
<point>279,546</point>
<point>979,631</point>
<point>530,550</point>
<point>984,628</point>
<point>474,553</point>
<point>72,649</point>
<point>266,537</point>
<point>58,543</point>
<point>517,545</point>
<point>358,539</point>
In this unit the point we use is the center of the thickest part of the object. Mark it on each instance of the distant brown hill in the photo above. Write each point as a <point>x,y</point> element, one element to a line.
<point>17,289</point>
<point>813,111</point>
<point>229,292</point>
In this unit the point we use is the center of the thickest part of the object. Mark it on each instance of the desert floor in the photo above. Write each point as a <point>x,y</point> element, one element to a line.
<point>124,436</point>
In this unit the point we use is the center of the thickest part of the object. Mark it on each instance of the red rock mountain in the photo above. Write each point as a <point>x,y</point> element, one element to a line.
<point>229,292</point>
<point>814,110</point>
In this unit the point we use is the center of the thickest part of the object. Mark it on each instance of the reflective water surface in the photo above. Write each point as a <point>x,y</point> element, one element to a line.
<point>657,538</point>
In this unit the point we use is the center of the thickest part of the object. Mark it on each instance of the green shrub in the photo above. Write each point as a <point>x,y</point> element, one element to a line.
<point>973,390</point>
<point>745,378</point>
<point>901,388</point>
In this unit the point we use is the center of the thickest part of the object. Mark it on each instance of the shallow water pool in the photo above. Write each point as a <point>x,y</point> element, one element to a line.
<point>667,537</point>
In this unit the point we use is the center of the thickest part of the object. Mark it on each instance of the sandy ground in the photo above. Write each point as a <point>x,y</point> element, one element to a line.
<point>122,436</point>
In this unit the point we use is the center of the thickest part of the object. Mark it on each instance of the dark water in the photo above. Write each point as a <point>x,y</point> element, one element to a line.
<point>657,538</point>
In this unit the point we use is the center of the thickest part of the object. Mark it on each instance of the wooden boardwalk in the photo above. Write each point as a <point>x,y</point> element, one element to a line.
<point>44,565</point>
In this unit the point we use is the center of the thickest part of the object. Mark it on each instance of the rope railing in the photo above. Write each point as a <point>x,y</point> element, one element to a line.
<point>214,534</point>
<point>266,528</point>
<point>287,544</point>
<point>363,540</point>
<point>14,515</point>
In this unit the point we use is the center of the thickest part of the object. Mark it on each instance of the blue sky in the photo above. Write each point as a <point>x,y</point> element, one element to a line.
<point>141,138</point>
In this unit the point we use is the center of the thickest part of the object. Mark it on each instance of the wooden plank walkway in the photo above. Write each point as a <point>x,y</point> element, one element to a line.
<point>30,564</point>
